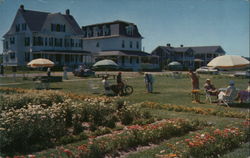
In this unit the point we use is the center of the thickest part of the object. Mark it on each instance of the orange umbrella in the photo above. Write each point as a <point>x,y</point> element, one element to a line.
<point>41,62</point>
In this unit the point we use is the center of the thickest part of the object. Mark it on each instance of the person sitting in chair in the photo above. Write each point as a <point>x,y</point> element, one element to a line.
<point>210,88</point>
<point>244,95</point>
<point>229,95</point>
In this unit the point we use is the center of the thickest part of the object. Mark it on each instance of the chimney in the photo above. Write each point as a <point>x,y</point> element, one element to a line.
<point>22,7</point>
<point>67,12</point>
<point>168,45</point>
<point>181,45</point>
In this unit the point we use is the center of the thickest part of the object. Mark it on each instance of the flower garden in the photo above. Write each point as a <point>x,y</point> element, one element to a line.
<point>51,123</point>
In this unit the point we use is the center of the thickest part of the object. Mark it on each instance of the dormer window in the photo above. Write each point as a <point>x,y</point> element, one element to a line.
<point>106,30</point>
<point>98,31</point>
<point>130,30</point>
<point>12,40</point>
<point>89,32</point>
<point>17,27</point>
<point>24,27</point>
<point>57,28</point>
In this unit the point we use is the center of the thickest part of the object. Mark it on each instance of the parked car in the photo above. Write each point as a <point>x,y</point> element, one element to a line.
<point>207,70</point>
<point>243,74</point>
<point>80,72</point>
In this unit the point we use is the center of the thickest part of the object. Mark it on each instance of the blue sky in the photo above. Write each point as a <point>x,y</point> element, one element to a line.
<point>187,22</point>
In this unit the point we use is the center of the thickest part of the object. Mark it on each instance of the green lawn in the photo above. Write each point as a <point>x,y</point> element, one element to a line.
<point>167,90</point>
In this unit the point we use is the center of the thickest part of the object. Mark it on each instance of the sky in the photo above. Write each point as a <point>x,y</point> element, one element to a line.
<point>187,22</point>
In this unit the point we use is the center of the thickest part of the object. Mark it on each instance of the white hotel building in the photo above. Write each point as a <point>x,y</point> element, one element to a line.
<point>58,37</point>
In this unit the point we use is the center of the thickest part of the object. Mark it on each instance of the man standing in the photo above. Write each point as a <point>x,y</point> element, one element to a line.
<point>48,72</point>
<point>148,78</point>
<point>65,76</point>
<point>194,79</point>
<point>120,83</point>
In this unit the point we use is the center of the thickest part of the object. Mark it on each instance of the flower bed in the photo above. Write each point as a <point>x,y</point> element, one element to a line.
<point>209,144</point>
<point>131,137</point>
<point>17,101</point>
<point>197,110</point>
<point>73,96</point>
<point>37,126</point>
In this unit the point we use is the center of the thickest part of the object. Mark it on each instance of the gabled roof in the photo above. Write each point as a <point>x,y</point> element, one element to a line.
<point>174,49</point>
<point>208,49</point>
<point>36,19</point>
<point>108,23</point>
<point>199,49</point>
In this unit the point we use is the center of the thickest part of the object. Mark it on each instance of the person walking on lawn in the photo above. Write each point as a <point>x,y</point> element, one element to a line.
<point>148,78</point>
<point>120,83</point>
<point>194,79</point>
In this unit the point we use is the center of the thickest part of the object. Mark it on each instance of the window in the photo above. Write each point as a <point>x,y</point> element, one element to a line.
<point>137,45</point>
<point>26,41</point>
<point>137,60</point>
<point>129,30</point>
<point>60,42</point>
<point>89,32</point>
<point>12,55</point>
<point>17,27</point>
<point>12,40</point>
<point>64,28</point>
<point>57,28</point>
<point>37,41</point>
<point>24,27</point>
<point>46,41</point>
<point>81,43</point>
<point>131,60</point>
<point>123,44</point>
<point>106,30</point>
<point>131,44</point>
<point>98,31</point>
<point>97,44</point>
<point>72,42</point>
<point>27,56</point>
<point>51,41</point>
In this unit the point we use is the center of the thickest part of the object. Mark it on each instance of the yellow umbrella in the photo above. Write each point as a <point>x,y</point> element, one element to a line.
<point>229,61</point>
<point>41,62</point>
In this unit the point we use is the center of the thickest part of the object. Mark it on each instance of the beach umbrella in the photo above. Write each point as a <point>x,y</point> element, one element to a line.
<point>105,63</point>
<point>40,62</point>
<point>228,62</point>
<point>174,63</point>
<point>175,66</point>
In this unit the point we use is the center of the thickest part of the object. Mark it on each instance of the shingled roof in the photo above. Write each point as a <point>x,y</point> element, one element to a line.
<point>36,19</point>
<point>200,49</point>
<point>119,29</point>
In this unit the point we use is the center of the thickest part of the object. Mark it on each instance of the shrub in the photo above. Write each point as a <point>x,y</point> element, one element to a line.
<point>30,126</point>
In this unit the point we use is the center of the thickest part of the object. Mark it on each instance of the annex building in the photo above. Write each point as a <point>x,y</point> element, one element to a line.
<point>189,57</point>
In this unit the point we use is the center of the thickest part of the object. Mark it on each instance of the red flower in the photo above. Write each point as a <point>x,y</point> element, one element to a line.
<point>68,152</point>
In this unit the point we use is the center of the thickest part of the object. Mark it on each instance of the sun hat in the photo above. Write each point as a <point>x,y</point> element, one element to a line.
<point>231,82</point>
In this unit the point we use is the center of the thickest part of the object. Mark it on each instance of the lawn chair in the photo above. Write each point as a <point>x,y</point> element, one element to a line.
<point>227,99</point>
<point>209,96</point>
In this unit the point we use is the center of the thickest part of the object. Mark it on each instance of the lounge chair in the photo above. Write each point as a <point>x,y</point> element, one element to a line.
<point>229,98</point>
